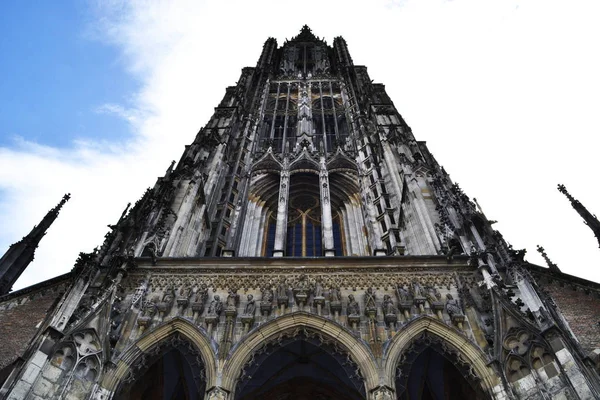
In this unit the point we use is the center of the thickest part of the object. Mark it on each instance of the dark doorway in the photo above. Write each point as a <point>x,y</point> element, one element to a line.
<point>300,370</point>
<point>431,376</point>
<point>168,378</point>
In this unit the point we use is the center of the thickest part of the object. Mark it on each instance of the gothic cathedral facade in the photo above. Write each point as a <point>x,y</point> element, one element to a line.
<point>305,246</point>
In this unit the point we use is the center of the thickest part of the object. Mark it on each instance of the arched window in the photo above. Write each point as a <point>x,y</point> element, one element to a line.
<point>304,226</point>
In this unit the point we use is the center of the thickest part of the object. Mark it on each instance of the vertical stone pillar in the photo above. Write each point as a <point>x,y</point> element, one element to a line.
<point>282,211</point>
<point>326,219</point>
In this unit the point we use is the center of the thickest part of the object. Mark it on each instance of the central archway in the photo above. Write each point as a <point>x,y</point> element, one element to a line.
<point>287,348</point>
<point>300,367</point>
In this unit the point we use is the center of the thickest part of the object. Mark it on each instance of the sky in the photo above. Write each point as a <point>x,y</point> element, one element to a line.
<point>97,98</point>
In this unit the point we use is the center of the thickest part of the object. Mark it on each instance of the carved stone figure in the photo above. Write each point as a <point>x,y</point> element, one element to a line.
<point>302,283</point>
<point>168,296</point>
<point>185,292</point>
<point>433,295</point>
<point>417,289</point>
<point>250,306</point>
<point>267,295</point>
<point>334,294</point>
<point>232,299</point>
<point>353,309</point>
<point>318,288</point>
<point>402,293</point>
<point>388,305</point>
<point>149,309</point>
<point>201,294</point>
<point>216,306</point>
<point>282,289</point>
<point>452,306</point>
<point>370,299</point>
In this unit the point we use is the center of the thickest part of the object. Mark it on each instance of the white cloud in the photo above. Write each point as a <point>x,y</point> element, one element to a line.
<point>505,93</point>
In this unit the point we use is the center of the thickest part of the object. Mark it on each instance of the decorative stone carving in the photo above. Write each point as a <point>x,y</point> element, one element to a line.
<point>183,297</point>
<point>389,311</point>
<point>353,311</point>
<point>149,309</point>
<point>199,300</point>
<point>434,298</point>
<point>454,311</point>
<point>418,296</point>
<point>370,303</point>
<point>213,314</point>
<point>248,315</point>
<point>232,301</point>
<point>283,299</point>
<point>318,299</point>
<point>216,306</point>
<point>301,290</point>
<point>250,306</point>
<point>404,301</point>
<point>335,300</point>
<point>266,302</point>
<point>164,307</point>
<point>383,393</point>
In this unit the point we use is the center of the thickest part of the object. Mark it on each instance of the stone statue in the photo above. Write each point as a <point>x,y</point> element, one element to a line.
<point>232,299</point>
<point>318,288</point>
<point>184,292</point>
<point>388,305</point>
<point>417,289</point>
<point>168,296</point>
<point>201,294</point>
<point>250,306</point>
<point>302,283</point>
<point>432,295</point>
<point>353,308</point>
<point>149,307</point>
<point>334,294</point>
<point>453,306</point>
<point>267,295</point>
<point>402,293</point>
<point>370,299</point>
<point>282,290</point>
<point>216,306</point>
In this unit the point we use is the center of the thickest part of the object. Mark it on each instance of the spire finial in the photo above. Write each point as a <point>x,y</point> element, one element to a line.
<point>553,267</point>
<point>589,219</point>
<point>20,254</point>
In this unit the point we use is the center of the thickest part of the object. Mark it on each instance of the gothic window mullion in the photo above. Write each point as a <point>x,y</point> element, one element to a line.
<point>272,132</point>
<point>324,130</point>
<point>335,124</point>
<point>326,219</point>
<point>285,123</point>
<point>282,212</point>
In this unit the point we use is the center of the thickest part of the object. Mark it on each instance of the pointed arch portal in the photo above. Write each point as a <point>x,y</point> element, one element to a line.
<point>427,372</point>
<point>300,353</point>
<point>429,360</point>
<point>300,367</point>
<point>172,369</point>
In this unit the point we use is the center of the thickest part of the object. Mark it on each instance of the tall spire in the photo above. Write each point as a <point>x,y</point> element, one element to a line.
<point>20,254</point>
<point>587,216</point>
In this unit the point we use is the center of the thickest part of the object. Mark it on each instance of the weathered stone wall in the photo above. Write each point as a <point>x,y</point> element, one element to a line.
<point>21,316</point>
<point>580,309</point>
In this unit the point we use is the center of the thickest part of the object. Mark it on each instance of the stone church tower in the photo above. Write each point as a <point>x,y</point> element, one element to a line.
<point>305,246</point>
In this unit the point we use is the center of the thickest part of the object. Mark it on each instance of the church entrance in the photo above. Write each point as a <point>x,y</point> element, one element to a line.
<point>432,376</point>
<point>298,369</point>
<point>171,370</point>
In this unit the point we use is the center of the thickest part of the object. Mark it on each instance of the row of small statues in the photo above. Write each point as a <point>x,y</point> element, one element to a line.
<point>416,294</point>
